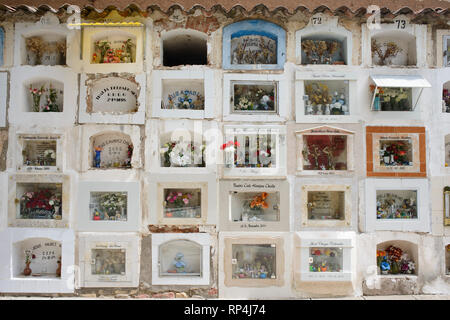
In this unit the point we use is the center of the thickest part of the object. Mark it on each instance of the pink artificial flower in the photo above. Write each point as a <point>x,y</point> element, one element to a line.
<point>186,201</point>
<point>171,200</point>
<point>180,194</point>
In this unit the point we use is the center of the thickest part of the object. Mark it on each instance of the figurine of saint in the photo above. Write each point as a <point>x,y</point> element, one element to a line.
<point>97,159</point>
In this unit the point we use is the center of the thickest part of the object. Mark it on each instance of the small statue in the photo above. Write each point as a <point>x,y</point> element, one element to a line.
<point>385,266</point>
<point>179,263</point>
<point>97,159</point>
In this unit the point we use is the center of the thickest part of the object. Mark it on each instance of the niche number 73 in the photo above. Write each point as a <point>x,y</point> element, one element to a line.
<point>401,24</point>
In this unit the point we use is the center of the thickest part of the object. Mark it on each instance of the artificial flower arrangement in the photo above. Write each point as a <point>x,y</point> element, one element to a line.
<point>253,98</point>
<point>264,54</point>
<point>51,105</point>
<point>391,49</point>
<point>394,261</point>
<point>179,204</point>
<point>263,156</point>
<point>391,99</point>
<point>42,204</point>
<point>181,154</point>
<point>322,152</point>
<point>105,53</point>
<point>254,208</point>
<point>325,260</point>
<point>389,208</point>
<point>321,51</point>
<point>321,102</point>
<point>395,153</point>
<point>113,206</point>
<point>37,47</point>
<point>185,101</point>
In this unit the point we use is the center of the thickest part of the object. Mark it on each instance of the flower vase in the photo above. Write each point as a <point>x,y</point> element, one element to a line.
<point>58,270</point>
<point>27,270</point>
<point>36,103</point>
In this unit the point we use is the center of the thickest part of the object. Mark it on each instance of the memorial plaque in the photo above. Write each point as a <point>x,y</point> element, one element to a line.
<point>113,95</point>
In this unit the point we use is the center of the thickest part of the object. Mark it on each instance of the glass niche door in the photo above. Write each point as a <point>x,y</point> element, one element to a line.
<point>180,258</point>
<point>326,205</point>
<point>108,206</point>
<point>108,261</point>
<point>182,203</point>
<point>254,261</point>
<point>254,206</point>
<point>326,259</point>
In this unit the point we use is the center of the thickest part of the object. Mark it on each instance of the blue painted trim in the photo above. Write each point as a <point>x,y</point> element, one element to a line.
<point>256,27</point>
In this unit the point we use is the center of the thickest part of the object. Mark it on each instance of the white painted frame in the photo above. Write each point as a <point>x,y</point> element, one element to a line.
<point>156,129</point>
<point>130,242</point>
<point>203,239</point>
<point>137,117</point>
<point>421,224</point>
<point>334,131</point>
<point>352,101</point>
<point>205,74</point>
<point>18,101</point>
<point>49,23</point>
<point>13,207</point>
<point>348,208</point>
<point>321,24</point>
<point>248,185</point>
<point>419,31</point>
<point>11,284</point>
<point>88,131</point>
<point>84,221</point>
<point>3,98</point>
<point>305,240</point>
<point>18,139</point>
<point>283,94</point>
<point>153,196</point>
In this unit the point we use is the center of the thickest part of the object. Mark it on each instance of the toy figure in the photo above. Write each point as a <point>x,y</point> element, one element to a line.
<point>97,159</point>
<point>385,266</point>
<point>179,263</point>
<point>96,215</point>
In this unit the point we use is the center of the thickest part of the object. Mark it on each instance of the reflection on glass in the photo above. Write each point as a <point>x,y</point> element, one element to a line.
<point>396,204</point>
<point>326,97</point>
<point>39,152</point>
<point>180,258</point>
<point>396,152</point>
<point>324,152</point>
<point>255,206</point>
<point>108,261</point>
<point>254,261</point>
<point>326,205</point>
<point>254,97</point>
<point>108,206</point>
<point>40,200</point>
<point>182,203</point>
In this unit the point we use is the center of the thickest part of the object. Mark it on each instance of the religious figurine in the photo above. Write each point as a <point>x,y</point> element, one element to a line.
<point>97,159</point>
<point>179,263</point>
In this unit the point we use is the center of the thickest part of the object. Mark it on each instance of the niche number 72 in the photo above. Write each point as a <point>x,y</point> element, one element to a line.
<point>317,20</point>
